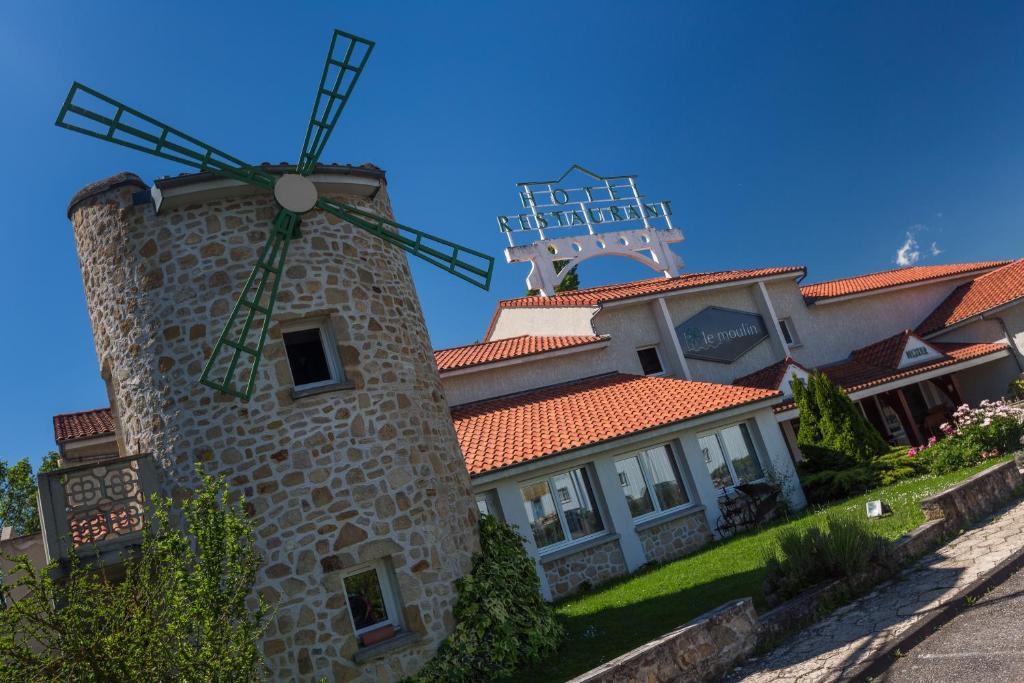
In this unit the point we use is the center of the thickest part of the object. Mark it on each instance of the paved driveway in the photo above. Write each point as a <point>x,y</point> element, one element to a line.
<point>983,643</point>
<point>854,635</point>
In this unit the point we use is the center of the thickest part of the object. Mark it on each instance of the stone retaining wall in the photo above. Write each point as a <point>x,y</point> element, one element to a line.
<point>701,650</point>
<point>973,498</point>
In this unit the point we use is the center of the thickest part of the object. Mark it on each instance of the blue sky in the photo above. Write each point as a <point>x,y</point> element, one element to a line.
<point>784,133</point>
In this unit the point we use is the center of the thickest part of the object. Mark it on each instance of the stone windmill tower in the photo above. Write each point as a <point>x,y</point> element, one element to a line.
<point>344,447</point>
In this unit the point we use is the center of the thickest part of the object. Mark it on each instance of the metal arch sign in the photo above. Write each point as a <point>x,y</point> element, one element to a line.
<point>609,200</point>
<point>720,335</point>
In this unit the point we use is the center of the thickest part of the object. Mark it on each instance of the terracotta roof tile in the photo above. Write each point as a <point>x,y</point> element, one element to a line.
<point>853,375</point>
<point>769,377</point>
<point>981,294</point>
<point>505,349</point>
<point>84,425</point>
<point>516,429</point>
<point>593,296</point>
<point>891,278</point>
<point>886,353</point>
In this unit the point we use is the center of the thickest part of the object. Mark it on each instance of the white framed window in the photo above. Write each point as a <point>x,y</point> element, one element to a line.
<point>564,518</point>
<point>652,482</point>
<point>650,361</point>
<point>372,599</point>
<point>789,332</point>
<point>312,355</point>
<point>731,456</point>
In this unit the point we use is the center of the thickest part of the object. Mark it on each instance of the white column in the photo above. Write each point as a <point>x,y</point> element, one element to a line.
<point>618,510</point>
<point>671,340</point>
<point>511,500</point>
<point>778,455</point>
<point>706,491</point>
<point>771,321</point>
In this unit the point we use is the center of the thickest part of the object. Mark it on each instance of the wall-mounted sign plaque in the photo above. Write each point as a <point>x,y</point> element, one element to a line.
<point>721,335</point>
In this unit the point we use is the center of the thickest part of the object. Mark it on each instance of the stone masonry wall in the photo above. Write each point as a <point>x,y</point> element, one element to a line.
<point>676,537</point>
<point>370,472</point>
<point>702,650</point>
<point>593,565</point>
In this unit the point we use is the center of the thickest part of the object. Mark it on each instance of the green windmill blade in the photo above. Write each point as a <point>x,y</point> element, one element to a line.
<point>346,59</point>
<point>469,264</point>
<point>92,113</point>
<point>232,366</point>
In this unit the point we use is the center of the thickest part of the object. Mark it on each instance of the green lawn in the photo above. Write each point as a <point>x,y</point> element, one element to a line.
<point>627,613</point>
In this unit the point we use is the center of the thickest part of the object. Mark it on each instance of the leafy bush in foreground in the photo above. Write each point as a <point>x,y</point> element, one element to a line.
<point>502,621</point>
<point>183,611</point>
<point>844,545</point>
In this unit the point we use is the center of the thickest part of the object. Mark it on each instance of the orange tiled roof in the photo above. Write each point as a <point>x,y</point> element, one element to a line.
<point>892,278</point>
<point>516,429</point>
<point>983,293</point>
<point>886,353</point>
<point>853,375</point>
<point>505,349</point>
<point>592,296</point>
<point>769,377</point>
<point>84,425</point>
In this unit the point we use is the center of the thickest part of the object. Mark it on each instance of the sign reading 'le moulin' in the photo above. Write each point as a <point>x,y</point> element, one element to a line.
<point>721,335</point>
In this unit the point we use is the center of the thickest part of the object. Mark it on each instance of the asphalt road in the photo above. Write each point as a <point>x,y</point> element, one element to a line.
<point>983,643</point>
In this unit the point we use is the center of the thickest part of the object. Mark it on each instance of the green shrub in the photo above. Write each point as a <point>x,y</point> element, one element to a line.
<point>184,609</point>
<point>833,433</point>
<point>829,485</point>
<point>1015,392</point>
<point>897,465</point>
<point>844,545</point>
<point>951,454</point>
<point>502,623</point>
<point>837,443</point>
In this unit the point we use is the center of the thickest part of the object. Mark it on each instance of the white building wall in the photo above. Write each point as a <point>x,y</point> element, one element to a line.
<point>599,461</point>
<point>632,327</point>
<point>830,331</point>
<point>560,320</point>
<point>989,331</point>
<point>533,372</point>
<point>987,381</point>
<point>741,298</point>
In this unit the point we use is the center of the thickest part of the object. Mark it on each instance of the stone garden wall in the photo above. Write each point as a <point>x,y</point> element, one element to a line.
<point>369,471</point>
<point>701,650</point>
<point>675,538</point>
<point>593,565</point>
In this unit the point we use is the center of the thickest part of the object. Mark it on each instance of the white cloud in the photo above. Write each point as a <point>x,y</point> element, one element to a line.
<point>935,249</point>
<point>909,253</point>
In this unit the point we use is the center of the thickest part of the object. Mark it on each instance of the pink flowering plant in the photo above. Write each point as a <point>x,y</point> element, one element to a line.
<point>992,429</point>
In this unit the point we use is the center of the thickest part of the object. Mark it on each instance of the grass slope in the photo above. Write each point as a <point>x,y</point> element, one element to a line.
<point>627,613</point>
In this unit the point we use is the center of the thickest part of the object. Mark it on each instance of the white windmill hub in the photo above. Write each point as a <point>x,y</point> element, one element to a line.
<point>295,192</point>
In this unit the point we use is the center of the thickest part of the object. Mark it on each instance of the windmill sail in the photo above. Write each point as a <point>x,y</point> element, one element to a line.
<point>92,113</point>
<point>232,366</point>
<point>346,59</point>
<point>469,264</point>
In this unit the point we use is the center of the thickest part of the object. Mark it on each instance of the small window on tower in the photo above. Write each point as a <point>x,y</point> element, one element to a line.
<point>650,362</point>
<point>312,357</point>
